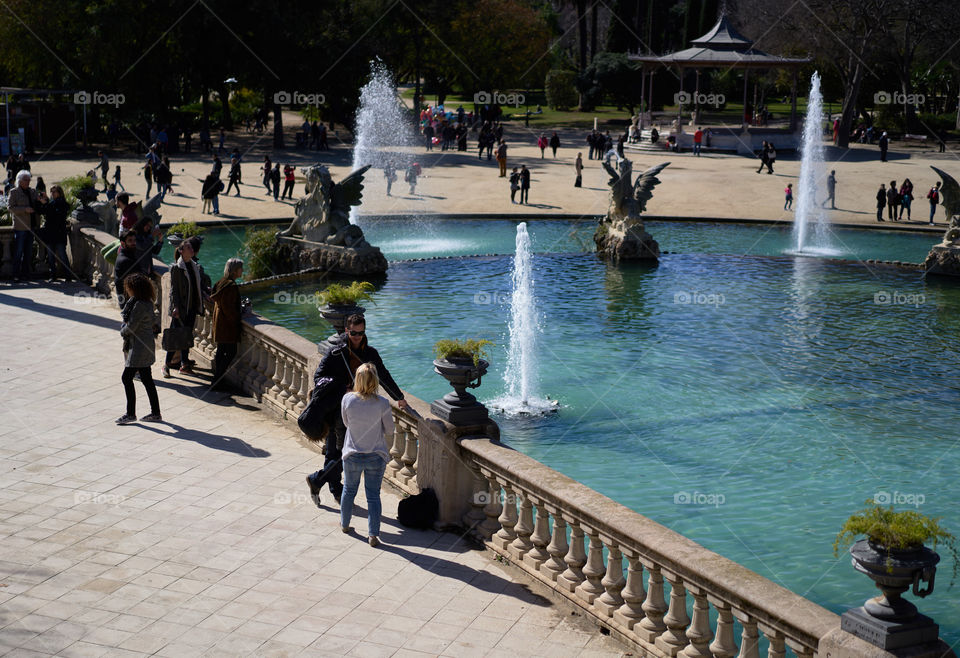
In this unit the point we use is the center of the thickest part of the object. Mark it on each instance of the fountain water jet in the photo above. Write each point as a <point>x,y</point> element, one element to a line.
<point>811,226</point>
<point>383,129</point>
<point>522,397</point>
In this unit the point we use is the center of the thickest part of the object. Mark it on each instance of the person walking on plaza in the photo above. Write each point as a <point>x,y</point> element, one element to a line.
<point>185,303</point>
<point>116,179</point>
<point>390,174</point>
<point>23,203</point>
<point>148,177</point>
<point>881,201</point>
<point>554,143</point>
<point>697,141</point>
<point>210,192</point>
<point>788,193</point>
<point>227,321</point>
<point>368,419</point>
<point>267,168</point>
<point>934,197</point>
<point>542,144</point>
<point>893,201</point>
<point>104,167</point>
<point>514,184</point>
<point>334,377</point>
<point>289,180</point>
<point>233,180</point>
<point>502,158</point>
<point>884,144</point>
<point>578,167</point>
<point>831,190</point>
<point>275,177</point>
<point>906,197</point>
<point>139,347</point>
<point>54,232</point>
<point>524,184</point>
<point>763,156</point>
<point>413,172</point>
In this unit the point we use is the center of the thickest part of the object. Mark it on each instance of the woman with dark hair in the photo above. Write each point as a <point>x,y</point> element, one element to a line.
<point>55,211</point>
<point>139,347</point>
<point>227,312</point>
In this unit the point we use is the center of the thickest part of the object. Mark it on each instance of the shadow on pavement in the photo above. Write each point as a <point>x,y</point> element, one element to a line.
<point>214,441</point>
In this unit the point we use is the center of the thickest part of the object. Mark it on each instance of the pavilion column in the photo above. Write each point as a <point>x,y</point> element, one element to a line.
<point>650,96</point>
<point>680,105</point>
<point>746,85</point>
<point>643,84</point>
<point>696,103</point>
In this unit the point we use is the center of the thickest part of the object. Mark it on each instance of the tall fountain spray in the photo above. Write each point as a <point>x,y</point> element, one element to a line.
<point>521,397</point>
<point>382,129</point>
<point>811,225</point>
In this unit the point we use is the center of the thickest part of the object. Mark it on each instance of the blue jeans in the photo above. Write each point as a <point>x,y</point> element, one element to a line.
<point>372,466</point>
<point>216,203</point>
<point>22,252</point>
<point>933,211</point>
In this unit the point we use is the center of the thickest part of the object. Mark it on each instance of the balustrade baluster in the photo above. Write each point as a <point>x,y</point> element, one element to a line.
<point>286,385</point>
<point>264,371</point>
<point>799,649</point>
<point>492,509</point>
<point>613,582</point>
<point>408,472</point>
<point>277,377</point>
<point>575,559</point>
<point>749,638</point>
<point>675,637</point>
<point>396,449</point>
<point>508,519</point>
<point>594,570</point>
<point>475,516</point>
<point>557,548</point>
<point>524,528</point>
<point>633,594</point>
<point>654,606</point>
<point>699,633</point>
<point>776,647</point>
<point>723,645</point>
<point>295,377</point>
<point>303,393</point>
<point>540,538</point>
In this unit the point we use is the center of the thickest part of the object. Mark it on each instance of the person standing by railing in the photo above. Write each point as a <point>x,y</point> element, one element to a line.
<point>227,321</point>
<point>185,304</point>
<point>23,204</point>
<point>368,419</point>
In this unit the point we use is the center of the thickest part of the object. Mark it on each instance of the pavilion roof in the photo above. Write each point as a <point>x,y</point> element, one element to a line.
<point>722,46</point>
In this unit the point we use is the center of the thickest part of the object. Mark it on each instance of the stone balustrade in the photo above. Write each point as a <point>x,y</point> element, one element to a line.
<point>654,587</point>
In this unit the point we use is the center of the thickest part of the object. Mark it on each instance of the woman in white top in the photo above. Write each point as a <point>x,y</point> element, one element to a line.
<point>368,419</point>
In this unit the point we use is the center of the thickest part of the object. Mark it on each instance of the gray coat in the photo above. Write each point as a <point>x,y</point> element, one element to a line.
<point>138,332</point>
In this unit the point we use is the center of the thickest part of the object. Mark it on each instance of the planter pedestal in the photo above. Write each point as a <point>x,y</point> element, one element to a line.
<point>460,407</point>
<point>889,634</point>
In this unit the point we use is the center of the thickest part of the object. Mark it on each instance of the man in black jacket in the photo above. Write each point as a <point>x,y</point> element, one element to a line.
<point>333,379</point>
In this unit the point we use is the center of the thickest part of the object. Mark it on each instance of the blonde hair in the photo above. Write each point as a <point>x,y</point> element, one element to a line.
<point>366,382</point>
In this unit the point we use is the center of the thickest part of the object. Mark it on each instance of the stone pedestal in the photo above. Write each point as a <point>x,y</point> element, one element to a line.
<point>297,254</point>
<point>839,643</point>
<point>943,259</point>
<point>889,635</point>
<point>618,241</point>
<point>441,467</point>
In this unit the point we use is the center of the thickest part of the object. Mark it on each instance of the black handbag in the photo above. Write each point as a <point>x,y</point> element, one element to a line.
<point>314,420</point>
<point>176,338</point>
<point>419,511</point>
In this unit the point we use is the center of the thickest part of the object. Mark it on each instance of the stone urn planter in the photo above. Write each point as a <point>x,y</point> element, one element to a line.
<point>84,214</point>
<point>894,571</point>
<point>460,407</point>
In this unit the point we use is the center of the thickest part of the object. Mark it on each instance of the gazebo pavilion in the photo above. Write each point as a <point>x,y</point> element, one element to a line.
<point>724,48</point>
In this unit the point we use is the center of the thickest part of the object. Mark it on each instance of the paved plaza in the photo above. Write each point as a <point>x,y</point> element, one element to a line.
<point>196,536</point>
<point>713,185</point>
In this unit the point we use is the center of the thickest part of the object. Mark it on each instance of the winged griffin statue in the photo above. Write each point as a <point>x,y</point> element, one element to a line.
<point>323,215</point>
<point>944,258</point>
<point>621,234</point>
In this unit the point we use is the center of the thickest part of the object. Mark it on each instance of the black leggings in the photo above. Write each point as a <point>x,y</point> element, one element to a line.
<point>146,378</point>
<point>226,352</point>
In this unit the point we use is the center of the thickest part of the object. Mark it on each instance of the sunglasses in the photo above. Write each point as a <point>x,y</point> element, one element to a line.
<point>356,333</point>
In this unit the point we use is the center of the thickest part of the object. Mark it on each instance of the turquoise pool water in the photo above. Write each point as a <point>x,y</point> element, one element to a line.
<point>431,238</point>
<point>750,403</point>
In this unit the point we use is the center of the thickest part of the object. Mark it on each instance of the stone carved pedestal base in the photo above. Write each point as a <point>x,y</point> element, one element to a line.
<point>297,254</point>
<point>616,241</point>
<point>888,634</point>
<point>943,259</point>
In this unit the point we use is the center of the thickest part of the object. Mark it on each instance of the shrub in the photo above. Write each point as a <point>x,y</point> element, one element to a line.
<point>466,348</point>
<point>260,251</point>
<point>186,229</point>
<point>339,294</point>
<point>70,186</point>
<point>561,90</point>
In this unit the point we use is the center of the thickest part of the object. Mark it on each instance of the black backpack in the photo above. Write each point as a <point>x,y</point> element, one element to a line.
<point>419,511</point>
